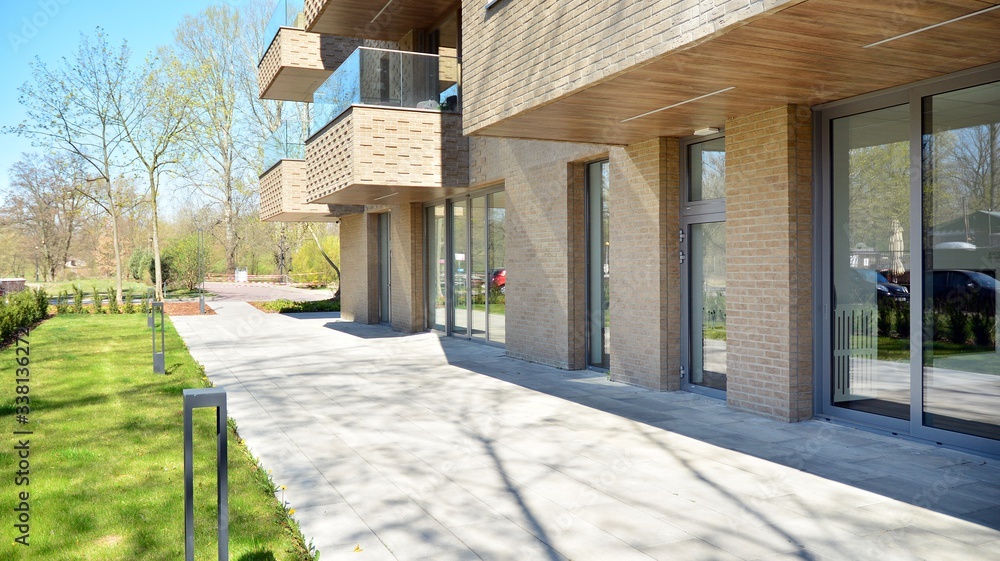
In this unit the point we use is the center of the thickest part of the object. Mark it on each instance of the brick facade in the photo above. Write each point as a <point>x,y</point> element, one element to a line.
<point>645,270</point>
<point>769,262</point>
<point>359,268</point>
<point>521,55</point>
<point>546,302</point>
<point>407,267</point>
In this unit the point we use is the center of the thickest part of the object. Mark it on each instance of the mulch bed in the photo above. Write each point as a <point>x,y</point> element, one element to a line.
<point>185,309</point>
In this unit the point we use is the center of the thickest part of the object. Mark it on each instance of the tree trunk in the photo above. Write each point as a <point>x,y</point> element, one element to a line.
<point>158,280</point>
<point>118,252</point>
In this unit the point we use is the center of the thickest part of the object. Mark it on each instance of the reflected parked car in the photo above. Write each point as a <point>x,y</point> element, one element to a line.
<point>498,280</point>
<point>969,290</point>
<point>885,291</point>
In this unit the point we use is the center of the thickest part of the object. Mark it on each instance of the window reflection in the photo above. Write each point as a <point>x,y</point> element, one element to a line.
<point>871,262</point>
<point>961,178</point>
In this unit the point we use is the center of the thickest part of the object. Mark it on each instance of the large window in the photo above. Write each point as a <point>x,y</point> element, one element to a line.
<point>871,313</point>
<point>599,270</point>
<point>467,296</point>
<point>961,234</point>
<point>912,246</point>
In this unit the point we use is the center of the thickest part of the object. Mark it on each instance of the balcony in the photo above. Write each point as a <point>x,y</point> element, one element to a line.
<point>294,62</point>
<point>386,129</point>
<point>362,18</point>
<point>283,185</point>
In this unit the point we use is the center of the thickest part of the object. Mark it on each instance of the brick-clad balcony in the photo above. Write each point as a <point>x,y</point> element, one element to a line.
<point>388,156</point>
<point>283,185</point>
<point>386,129</point>
<point>363,18</point>
<point>294,62</point>
<point>297,62</point>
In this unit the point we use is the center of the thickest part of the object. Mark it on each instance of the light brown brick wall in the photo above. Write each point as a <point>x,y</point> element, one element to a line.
<point>407,298</point>
<point>391,147</point>
<point>526,53</point>
<point>358,261</point>
<point>644,267</point>
<point>545,243</point>
<point>769,263</point>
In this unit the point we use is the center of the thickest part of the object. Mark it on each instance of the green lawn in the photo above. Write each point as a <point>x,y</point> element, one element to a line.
<point>285,306</point>
<point>106,454</point>
<point>54,288</point>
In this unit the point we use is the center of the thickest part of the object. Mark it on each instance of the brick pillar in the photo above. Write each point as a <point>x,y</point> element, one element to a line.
<point>358,268</point>
<point>407,229</point>
<point>644,267</point>
<point>769,263</point>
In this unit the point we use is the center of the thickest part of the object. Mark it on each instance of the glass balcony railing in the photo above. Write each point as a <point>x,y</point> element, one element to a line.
<point>391,79</point>
<point>288,13</point>
<point>285,143</point>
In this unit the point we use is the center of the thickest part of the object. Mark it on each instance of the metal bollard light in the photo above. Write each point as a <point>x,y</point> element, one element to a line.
<point>196,398</point>
<point>150,295</point>
<point>159,358</point>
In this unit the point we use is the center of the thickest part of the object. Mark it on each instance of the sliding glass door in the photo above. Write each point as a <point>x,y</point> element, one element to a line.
<point>911,261</point>
<point>467,298</point>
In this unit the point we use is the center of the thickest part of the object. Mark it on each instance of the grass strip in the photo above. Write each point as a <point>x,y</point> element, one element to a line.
<point>106,454</point>
<point>284,306</point>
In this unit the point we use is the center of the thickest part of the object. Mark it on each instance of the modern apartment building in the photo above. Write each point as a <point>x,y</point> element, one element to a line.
<point>793,206</point>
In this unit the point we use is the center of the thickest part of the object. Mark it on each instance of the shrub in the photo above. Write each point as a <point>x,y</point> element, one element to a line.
<point>167,271</point>
<point>902,319</point>
<point>77,299</point>
<point>886,313</point>
<point>62,303</point>
<point>140,262</point>
<point>958,324</point>
<point>21,310</point>
<point>113,301</point>
<point>179,263</point>
<point>129,306</point>
<point>96,303</point>
<point>983,327</point>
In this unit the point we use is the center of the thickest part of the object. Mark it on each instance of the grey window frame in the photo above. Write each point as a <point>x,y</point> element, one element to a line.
<point>823,115</point>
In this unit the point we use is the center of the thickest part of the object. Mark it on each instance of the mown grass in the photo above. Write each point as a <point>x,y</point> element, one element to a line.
<point>284,306</point>
<point>88,285</point>
<point>106,453</point>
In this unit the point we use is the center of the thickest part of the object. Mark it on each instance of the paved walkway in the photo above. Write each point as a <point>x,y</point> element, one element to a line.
<point>418,447</point>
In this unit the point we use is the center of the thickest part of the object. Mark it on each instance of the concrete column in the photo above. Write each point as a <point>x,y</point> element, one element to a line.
<point>769,262</point>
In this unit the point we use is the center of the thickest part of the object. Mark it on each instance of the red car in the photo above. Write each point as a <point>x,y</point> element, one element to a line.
<point>498,280</point>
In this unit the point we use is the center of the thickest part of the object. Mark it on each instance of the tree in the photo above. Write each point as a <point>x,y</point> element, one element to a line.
<point>71,108</point>
<point>207,47</point>
<point>44,205</point>
<point>153,111</point>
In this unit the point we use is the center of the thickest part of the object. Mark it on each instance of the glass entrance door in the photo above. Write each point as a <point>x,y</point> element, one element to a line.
<point>703,268</point>
<point>598,274</point>
<point>707,299</point>
<point>384,278</point>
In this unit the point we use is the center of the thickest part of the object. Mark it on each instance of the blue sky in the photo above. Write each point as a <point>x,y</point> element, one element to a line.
<point>51,29</point>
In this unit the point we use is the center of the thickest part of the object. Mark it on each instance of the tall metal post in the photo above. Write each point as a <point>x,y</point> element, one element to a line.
<point>196,398</point>
<point>201,270</point>
<point>159,358</point>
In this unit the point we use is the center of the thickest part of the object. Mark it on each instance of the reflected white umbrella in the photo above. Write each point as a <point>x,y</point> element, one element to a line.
<point>896,248</point>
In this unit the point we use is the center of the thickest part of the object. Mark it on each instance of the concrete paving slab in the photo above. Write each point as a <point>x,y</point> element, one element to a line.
<point>417,447</point>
